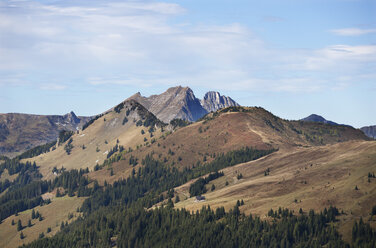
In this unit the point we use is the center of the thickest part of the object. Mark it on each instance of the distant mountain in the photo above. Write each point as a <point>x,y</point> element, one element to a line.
<point>370,131</point>
<point>213,101</point>
<point>318,118</point>
<point>180,102</point>
<point>19,132</point>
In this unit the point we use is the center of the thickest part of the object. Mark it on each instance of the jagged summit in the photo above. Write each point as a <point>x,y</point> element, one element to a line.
<point>213,101</point>
<point>181,102</point>
<point>71,117</point>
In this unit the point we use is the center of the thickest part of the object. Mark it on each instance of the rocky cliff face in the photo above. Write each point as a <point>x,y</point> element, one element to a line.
<point>370,131</point>
<point>19,132</point>
<point>180,102</point>
<point>213,101</point>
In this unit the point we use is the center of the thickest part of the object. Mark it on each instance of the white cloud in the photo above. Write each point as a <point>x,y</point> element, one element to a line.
<point>138,44</point>
<point>341,56</point>
<point>352,31</point>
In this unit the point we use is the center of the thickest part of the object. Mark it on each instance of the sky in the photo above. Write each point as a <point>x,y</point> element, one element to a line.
<point>291,57</point>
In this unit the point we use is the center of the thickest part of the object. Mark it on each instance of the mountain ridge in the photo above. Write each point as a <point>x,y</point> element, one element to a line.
<point>181,103</point>
<point>19,132</point>
<point>318,118</point>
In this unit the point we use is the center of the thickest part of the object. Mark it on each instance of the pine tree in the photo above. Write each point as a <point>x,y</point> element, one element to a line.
<point>19,225</point>
<point>212,187</point>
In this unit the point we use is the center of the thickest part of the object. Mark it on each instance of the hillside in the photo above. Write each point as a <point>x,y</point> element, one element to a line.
<point>307,178</point>
<point>316,165</point>
<point>181,103</point>
<point>120,127</point>
<point>318,118</point>
<point>20,132</point>
<point>226,131</point>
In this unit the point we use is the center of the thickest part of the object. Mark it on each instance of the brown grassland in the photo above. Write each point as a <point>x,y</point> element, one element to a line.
<point>53,214</point>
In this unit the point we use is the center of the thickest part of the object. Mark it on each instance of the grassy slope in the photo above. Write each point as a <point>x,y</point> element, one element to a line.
<point>229,131</point>
<point>335,171</point>
<point>53,215</point>
<point>5,175</point>
<point>107,128</point>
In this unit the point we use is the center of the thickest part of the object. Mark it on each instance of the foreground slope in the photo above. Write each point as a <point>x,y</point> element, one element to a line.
<point>301,177</point>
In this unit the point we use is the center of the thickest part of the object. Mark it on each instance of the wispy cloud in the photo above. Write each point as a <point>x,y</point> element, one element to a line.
<point>352,31</point>
<point>274,19</point>
<point>53,87</point>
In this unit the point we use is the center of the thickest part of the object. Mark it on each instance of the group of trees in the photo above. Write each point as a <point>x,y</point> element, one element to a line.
<point>21,197</point>
<point>198,187</point>
<point>116,148</point>
<point>68,146</point>
<point>33,152</point>
<point>166,227</point>
<point>87,124</point>
<point>64,135</point>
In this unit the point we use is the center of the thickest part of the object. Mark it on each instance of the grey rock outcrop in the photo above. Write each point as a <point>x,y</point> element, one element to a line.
<point>370,131</point>
<point>180,102</point>
<point>213,101</point>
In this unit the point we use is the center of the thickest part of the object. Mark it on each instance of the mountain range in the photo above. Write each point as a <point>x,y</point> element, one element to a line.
<point>20,132</point>
<point>128,158</point>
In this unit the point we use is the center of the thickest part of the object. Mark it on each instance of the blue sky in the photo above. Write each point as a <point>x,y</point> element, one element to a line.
<point>292,57</point>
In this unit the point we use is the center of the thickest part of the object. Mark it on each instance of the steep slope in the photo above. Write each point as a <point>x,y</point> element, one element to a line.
<point>120,127</point>
<point>370,131</point>
<point>179,102</point>
<point>19,132</point>
<point>318,118</point>
<point>213,101</point>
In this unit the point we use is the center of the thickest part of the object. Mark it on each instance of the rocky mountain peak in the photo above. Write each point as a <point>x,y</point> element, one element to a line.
<point>181,102</point>
<point>71,117</point>
<point>213,101</point>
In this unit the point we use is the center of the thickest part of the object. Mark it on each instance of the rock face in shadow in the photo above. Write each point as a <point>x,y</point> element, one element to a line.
<point>180,102</point>
<point>20,132</point>
<point>370,131</point>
